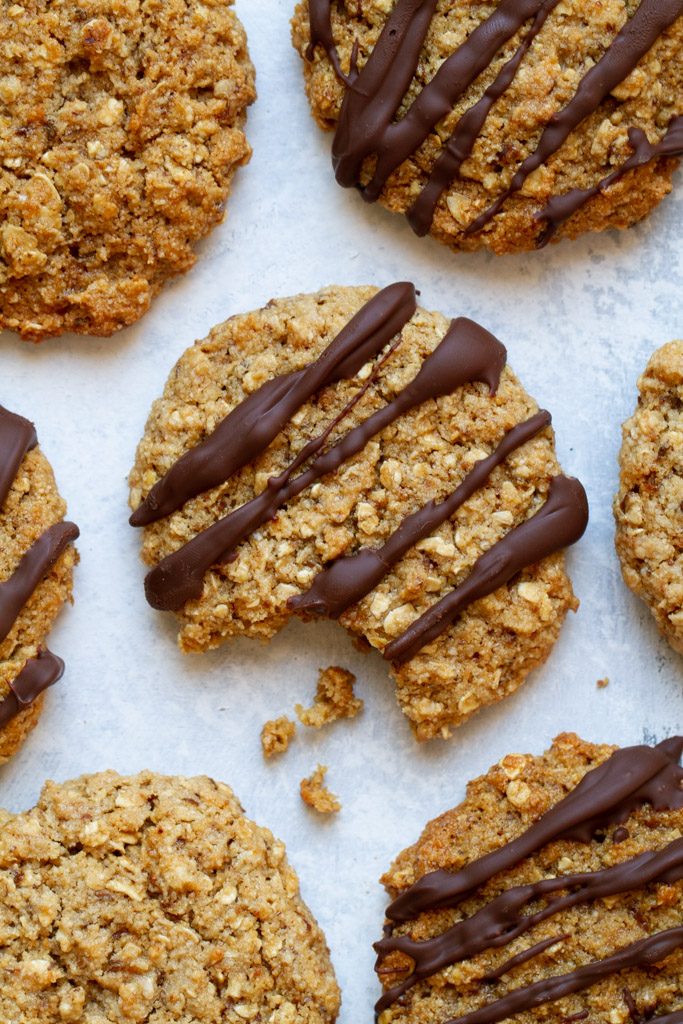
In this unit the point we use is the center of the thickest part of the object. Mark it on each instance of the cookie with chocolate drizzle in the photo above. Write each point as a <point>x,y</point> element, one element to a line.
<point>552,893</point>
<point>502,124</point>
<point>350,455</point>
<point>36,567</point>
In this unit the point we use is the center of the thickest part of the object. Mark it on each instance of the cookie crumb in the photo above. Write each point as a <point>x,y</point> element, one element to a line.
<point>315,793</point>
<point>334,699</point>
<point>602,683</point>
<point>276,735</point>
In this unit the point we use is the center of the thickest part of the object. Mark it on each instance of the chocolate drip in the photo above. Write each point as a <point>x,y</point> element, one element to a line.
<point>631,44</point>
<point>560,208</point>
<point>17,436</point>
<point>248,430</point>
<point>606,796</point>
<point>669,1018</point>
<point>646,953</point>
<point>35,677</point>
<point>561,522</point>
<point>466,354</point>
<point>350,579</point>
<point>321,34</point>
<point>41,556</point>
<point>525,956</point>
<point>503,919</point>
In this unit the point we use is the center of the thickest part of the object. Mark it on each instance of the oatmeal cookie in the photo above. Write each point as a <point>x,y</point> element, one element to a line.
<point>153,899</point>
<point>499,123</point>
<point>122,127</point>
<point>351,455</point>
<point>553,892</point>
<point>649,506</point>
<point>36,568</point>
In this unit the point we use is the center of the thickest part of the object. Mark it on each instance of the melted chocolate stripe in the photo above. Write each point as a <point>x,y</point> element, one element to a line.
<point>350,579</point>
<point>525,956</point>
<point>17,436</point>
<point>560,208</point>
<point>645,953</point>
<point>246,432</point>
<point>466,354</point>
<point>320,17</point>
<point>35,677</point>
<point>502,920</point>
<point>638,35</point>
<point>41,556</point>
<point>561,522</point>
<point>606,796</point>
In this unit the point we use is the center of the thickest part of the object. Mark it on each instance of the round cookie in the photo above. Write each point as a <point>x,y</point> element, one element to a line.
<point>36,569</point>
<point>500,124</point>
<point>154,899</point>
<point>649,506</point>
<point>553,892</point>
<point>349,454</point>
<point>122,128</point>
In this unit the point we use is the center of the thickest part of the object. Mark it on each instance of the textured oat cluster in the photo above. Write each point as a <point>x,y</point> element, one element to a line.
<point>499,806</point>
<point>32,506</point>
<point>334,699</point>
<point>316,795</point>
<point>153,899</point>
<point>493,646</point>
<point>276,735</point>
<point>574,37</point>
<point>649,506</point>
<point>120,131</point>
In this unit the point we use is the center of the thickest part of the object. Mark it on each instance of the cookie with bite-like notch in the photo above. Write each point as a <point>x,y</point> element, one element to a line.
<point>649,505</point>
<point>37,559</point>
<point>122,129</point>
<point>348,454</point>
<point>154,899</point>
<point>499,124</point>
<point>553,892</point>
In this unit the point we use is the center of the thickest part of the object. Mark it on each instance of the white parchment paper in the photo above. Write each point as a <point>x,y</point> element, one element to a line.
<point>579,320</point>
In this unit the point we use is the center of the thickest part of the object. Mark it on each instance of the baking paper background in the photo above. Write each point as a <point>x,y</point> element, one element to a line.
<point>579,320</point>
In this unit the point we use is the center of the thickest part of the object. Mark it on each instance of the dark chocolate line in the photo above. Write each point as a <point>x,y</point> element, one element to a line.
<point>645,953</point>
<point>606,796</point>
<point>348,580</point>
<point>17,437</point>
<point>560,208</point>
<point>41,556</point>
<point>637,36</point>
<point>320,21</point>
<point>466,354</point>
<point>525,956</point>
<point>35,677</point>
<point>246,432</point>
<point>559,523</point>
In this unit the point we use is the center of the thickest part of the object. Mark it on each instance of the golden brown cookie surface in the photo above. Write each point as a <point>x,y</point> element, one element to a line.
<point>649,506</point>
<point>122,127</point>
<point>154,899</point>
<point>418,457</point>
<point>438,105</point>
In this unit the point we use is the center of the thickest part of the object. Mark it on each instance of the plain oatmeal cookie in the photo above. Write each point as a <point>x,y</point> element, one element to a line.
<point>649,506</point>
<point>121,129</point>
<point>153,899</point>
<point>552,893</point>
<point>308,432</point>
<point>499,123</point>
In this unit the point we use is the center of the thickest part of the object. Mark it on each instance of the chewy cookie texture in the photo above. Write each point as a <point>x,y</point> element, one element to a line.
<point>553,893</point>
<point>122,127</point>
<point>36,568</point>
<point>349,454</point>
<point>649,506</point>
<point>153,899</point>
<point>503,123</point>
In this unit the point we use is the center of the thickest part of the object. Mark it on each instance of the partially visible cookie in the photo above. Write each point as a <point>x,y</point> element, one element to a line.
<point>350,455</point>
<point>502,123</point>
<point>649,506</point>
<point>153,899</point>
<point>122,128</point>
<point>552,893</point>
<point>36,568</point>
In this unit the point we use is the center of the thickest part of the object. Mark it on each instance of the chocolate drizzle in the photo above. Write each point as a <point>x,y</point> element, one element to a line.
<point>367,127</point>
<point>606,796</point>
<point>17,436</point>
<point>36,676</point>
